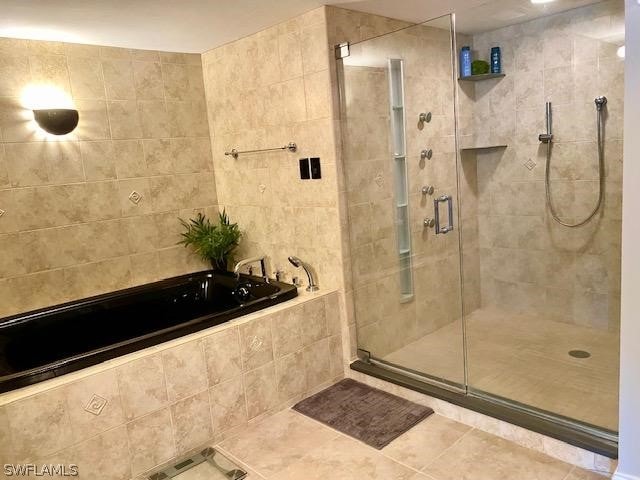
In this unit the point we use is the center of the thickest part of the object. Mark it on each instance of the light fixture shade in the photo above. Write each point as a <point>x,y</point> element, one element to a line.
<point>57,121</point>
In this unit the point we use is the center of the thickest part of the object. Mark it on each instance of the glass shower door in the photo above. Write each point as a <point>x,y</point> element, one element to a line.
<point>399,154</point>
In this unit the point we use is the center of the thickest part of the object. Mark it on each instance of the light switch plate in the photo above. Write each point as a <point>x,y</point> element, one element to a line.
<point>305,170</point>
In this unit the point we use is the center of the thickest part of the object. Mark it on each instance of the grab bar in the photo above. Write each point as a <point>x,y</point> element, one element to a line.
<point>436,212</point>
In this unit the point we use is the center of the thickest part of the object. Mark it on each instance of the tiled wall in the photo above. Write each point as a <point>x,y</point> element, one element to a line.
<point>265,91</point>
<point>571,275</point>
<point>168,400</point>
<point>69,229</point>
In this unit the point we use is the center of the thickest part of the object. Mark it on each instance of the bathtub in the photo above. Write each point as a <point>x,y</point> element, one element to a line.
<point>47,343</point>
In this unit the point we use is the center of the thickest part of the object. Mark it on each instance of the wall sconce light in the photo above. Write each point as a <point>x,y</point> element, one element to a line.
<point>53,108</point>
<point>57,121</point>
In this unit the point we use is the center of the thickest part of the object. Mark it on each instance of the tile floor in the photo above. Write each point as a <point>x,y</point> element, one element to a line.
<point>525,358</point>
<point>289,445</point>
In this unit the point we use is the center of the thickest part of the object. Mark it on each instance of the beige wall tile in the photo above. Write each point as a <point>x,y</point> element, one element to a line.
<point>145,454</point>
<point>39,425</point>
<point>191,420</point>
<point>86,77</point>
<point>50,70</point>
<point>104,456</point>
<point>222,354</point>
<point>184,370</point>
<point>256,343</point>
<point>94,405</point>
<point>291,376</point>
<point>148,80</point>
<point>142,386</point>
<point>118,79</point>
<point>94,123</point>
<point>228,407</point>
<point>123,118</point>
<point>98,159</point>
<point>15,74</point>
<point>260,390</point>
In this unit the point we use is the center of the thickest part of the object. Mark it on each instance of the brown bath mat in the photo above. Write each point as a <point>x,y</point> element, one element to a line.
<point>365,413</point>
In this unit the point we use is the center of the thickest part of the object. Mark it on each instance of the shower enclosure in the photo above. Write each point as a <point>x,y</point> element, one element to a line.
<point>462,277</point>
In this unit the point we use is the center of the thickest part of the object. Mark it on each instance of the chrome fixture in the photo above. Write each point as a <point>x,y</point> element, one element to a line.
<point>427,190</point>
<point>436,211</point>
<point>600,102</point>
<point>547,137</point>
<point>249,261</point>
<point>429,222</point>
<point>296,262</point>
<point>292,147</point>
<point>424,117</point>
<point>426,154</point>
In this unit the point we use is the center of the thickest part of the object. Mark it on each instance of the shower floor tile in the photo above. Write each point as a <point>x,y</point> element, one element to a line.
<point>451,451</point>
<point>526,359</point>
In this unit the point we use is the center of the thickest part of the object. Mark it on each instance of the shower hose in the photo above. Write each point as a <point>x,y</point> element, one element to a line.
<point>600,102</point>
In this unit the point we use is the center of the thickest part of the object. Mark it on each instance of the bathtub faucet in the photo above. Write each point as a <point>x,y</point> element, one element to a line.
<point>296,262</point>
<point>248,261</point>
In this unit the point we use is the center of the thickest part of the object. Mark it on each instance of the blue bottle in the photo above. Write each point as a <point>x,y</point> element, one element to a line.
<point>465,62</point>
<point>496,61</point>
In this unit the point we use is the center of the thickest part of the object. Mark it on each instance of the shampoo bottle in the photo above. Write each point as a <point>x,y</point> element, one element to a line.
<point>465,62</point>
<point>496,61</point>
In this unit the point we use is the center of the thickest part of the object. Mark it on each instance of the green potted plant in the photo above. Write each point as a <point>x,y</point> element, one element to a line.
<point>212,242</point>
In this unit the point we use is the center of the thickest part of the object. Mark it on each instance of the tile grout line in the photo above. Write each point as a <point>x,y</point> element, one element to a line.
<point>447,449</point>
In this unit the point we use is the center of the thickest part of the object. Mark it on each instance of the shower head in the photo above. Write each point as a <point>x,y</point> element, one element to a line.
<point>295,261</point>
<point>600,102</point>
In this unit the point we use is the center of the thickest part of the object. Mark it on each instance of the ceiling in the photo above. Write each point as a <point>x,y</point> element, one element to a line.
<point>199,25</point>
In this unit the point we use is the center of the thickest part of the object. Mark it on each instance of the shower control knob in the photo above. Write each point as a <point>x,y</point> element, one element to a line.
<point>426,153</point>
<point>429,222</point>
<point>427,190</point>
<point>424,117</point>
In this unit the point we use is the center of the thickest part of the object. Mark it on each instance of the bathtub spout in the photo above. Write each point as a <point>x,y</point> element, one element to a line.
<point>248,261</point>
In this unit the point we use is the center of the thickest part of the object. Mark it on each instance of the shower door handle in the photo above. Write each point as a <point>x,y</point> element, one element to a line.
<point>436,213</point>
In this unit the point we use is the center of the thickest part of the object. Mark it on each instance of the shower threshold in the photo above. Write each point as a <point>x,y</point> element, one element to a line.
<point>566,430</point>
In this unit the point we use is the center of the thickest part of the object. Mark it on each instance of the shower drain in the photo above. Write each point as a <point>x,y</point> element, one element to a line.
<point>579,354</point>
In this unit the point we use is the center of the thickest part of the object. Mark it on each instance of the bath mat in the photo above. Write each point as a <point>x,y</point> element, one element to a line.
<point>365,413</point>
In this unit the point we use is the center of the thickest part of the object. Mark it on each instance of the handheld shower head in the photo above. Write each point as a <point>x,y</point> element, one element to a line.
<point>296,262</point>
<point>600,102</point>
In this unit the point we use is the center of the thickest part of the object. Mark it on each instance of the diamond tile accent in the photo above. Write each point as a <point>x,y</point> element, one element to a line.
<point>379,179</point>
<point>530,164</point>
<point>96,405</point>
<point>255,343</point>
<point>135,197</point>
<point>2,212</point>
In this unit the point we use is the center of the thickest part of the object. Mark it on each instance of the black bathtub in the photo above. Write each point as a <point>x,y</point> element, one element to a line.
<point>46,343</point>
